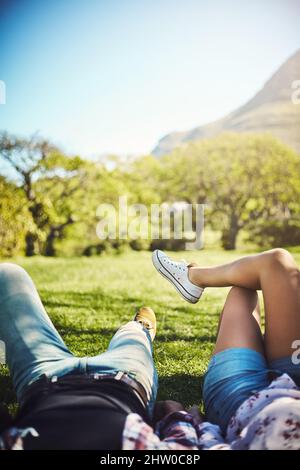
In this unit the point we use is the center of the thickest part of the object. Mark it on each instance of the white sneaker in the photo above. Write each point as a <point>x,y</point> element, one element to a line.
<point>177,274</point>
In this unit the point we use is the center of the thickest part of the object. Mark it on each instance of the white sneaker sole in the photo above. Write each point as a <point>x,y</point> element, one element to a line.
<point>178,286</point>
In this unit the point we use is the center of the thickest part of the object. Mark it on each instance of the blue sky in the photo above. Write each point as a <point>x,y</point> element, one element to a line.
<point>113,76</point>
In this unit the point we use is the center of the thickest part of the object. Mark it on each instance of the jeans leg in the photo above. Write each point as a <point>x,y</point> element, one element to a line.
<point>33,346</point>
<point>130,351</point>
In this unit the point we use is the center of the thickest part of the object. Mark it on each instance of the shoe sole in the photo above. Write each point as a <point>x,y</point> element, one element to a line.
<point>169,276</point>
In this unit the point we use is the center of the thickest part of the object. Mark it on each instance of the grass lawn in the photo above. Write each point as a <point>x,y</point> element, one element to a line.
<point>89,298</point>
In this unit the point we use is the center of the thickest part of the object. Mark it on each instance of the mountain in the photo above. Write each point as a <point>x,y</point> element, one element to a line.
<point>270,110</point>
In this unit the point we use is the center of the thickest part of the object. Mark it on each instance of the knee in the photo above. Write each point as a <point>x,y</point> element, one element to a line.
<point>236,291</point>
<point>240,302</point>
<point>241,295</point>
<point>282,257</point>
<point>10,272</point>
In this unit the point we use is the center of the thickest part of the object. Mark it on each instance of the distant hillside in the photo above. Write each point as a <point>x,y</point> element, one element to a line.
<point>270,110</point>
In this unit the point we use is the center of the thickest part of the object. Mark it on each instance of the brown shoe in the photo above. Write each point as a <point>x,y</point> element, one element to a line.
<point>147,318</point>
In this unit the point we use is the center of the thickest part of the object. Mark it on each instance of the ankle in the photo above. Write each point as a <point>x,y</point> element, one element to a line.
<point>194,275</point>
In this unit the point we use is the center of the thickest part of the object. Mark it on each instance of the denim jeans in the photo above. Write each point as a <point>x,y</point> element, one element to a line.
<point>233,375</point>
<point>34,347</point>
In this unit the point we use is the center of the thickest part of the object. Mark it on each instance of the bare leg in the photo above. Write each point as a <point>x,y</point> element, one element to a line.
<point>233,376</point>
<point>277,275</point>
<point>239,325</point>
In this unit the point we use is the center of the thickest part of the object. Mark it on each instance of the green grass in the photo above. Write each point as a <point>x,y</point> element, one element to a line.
<point>89,298</point>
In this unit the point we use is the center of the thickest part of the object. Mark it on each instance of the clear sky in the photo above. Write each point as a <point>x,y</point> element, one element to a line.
<point>98,76</point>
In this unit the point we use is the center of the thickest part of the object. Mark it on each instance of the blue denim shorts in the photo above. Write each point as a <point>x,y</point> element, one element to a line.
<point>234,375</point>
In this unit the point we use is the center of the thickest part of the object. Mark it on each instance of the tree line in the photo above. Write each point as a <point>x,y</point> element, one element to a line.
<point>48,200</point>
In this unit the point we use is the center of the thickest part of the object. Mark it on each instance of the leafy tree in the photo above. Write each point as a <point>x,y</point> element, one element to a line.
<point>25,157</point>
<point>14,219</point>
<point>62,189</point>
<point>243,179</point>
<point>248,182</point>
<point>49,181</point>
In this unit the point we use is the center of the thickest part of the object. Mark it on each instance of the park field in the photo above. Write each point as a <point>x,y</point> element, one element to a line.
<point>89,298</point>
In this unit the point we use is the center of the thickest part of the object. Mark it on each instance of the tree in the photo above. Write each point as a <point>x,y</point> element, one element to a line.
<point>63,191</point>
<point>50,183</point>
<point>26,158</point>
<point>243,178</point>
<point>14,219</point>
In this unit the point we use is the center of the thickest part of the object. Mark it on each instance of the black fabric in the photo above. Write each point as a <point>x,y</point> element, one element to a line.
<point>5,418</point>
<point>80,416</point>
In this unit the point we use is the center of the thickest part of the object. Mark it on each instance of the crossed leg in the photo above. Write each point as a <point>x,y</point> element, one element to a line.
<point>239,324</point>
<point>277,275</point>
<point>242,357</point>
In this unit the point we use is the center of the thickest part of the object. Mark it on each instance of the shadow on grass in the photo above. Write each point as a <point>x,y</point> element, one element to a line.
<point>7,394</point>
<point>90,299</point>
<point>169,337</point>
<point>115,307</point>
<point>65,330</point>
<point>184,388</point>
<point>119,301</point>
<point>109,333</point>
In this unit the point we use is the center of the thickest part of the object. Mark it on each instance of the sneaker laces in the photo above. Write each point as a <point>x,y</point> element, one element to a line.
<point>146,323</point>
